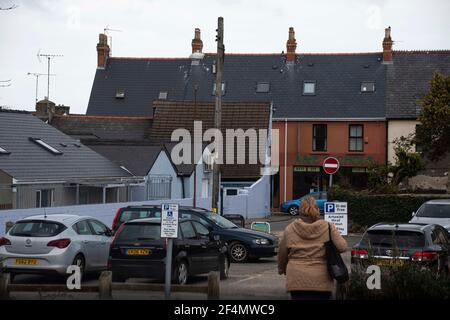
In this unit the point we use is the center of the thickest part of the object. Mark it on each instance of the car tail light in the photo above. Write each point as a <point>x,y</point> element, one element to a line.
<point>60,243</point>
<point>116,218</point>
<point>360,253</point>
<point>4,242</point>
<point>424,256</point>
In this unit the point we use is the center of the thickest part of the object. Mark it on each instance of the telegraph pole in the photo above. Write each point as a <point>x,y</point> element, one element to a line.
<point>218,111</point>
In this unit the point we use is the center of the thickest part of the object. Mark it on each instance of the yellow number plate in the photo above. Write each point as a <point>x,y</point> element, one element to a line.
<point>390,263</point>
<point>27,262</point>
<point>138,252</point>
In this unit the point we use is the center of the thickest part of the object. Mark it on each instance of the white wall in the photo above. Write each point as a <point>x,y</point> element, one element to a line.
<point>396,129</point>
<point>163,166</point>
<point>103,212</point>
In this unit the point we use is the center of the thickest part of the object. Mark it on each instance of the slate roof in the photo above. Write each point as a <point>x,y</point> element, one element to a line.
<point>408,80</point>
<point>338,80</point>
<point>29,161</point>
<point>101,128</point>
<point>137,159</point>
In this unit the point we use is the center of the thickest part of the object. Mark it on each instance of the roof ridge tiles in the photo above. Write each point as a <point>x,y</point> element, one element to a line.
<point>105,117</point>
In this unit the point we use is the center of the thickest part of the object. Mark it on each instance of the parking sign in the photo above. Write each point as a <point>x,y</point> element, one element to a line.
<point>169,221</point>
<point>336,213</point>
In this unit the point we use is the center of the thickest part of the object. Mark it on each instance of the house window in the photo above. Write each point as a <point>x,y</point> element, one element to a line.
<point>162,96</point>
<point>120,94</point>
<point>214,89</point>
<point>46,146</point>
<point>319,137</point>
<point>309,87</point>
<point>367,86</point>
<point>262,87</point>
<point>44,198</point>
<point>3,151</point>
<point>355,137</point>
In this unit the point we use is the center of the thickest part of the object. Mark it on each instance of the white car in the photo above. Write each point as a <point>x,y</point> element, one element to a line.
<point>50,244</point>
<point>434,212</point>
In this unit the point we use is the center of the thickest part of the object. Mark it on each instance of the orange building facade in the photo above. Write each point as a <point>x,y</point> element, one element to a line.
<point>303,145</point>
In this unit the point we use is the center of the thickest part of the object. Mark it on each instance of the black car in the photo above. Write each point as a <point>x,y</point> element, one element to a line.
<point>138,251</point>
<point>243,243</point>
<point>395,245</point>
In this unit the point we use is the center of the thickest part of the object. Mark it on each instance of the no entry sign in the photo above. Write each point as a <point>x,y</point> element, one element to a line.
<point>330,165</point>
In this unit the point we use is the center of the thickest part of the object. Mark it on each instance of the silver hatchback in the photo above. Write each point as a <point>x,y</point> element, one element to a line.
<point>50,244</point>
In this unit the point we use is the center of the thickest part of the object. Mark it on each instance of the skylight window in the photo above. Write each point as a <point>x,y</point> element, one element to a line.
<point>162,96</point>
<point>46,146</point>
<point>309,87</point>
<point>214,89</point>
<point>368,87</point>
<point>263,87</point>
<point>120,94</point>
<point>4,151</point>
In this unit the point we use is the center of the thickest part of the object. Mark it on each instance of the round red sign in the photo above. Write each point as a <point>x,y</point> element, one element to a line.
<point>330,165</point>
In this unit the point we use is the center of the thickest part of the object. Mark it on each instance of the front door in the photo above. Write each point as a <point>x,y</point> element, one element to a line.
<point>210,250</point>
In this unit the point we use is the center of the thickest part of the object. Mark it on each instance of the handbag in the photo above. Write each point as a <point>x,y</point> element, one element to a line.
<point>336,266</point>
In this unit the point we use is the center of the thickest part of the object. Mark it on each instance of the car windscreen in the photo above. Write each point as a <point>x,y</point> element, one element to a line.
<point>220,221</point>
<point>433,210</point>
<point>36,228</point>
<point>393,239</point>
<point>139,232</point>
<point>133,214</point>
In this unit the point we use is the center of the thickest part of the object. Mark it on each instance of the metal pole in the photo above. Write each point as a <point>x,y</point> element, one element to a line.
<point>331,181</point>
<point>37,85</point>
<point>168,278</point>
<point>48,78</point>
<point>218,111</point>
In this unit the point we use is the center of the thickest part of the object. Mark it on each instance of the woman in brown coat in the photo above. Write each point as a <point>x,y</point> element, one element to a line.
<point>302,257</point>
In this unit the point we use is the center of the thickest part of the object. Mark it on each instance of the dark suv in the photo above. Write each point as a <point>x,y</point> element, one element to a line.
<point>395,245</point>
<point>242,243</point>
<point>138,251</point>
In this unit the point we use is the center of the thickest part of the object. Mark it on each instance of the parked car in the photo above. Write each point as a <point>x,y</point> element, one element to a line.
<point>292,206</point>
<point>433,211</point>
<point>389,244</point>
<point>242,243</point>
<point>50,244</point>
<point>138,251</point>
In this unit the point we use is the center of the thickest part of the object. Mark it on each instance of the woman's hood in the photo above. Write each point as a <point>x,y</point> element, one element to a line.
<point>309,231</point>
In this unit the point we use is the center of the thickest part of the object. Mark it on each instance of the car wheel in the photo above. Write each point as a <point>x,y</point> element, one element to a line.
<point>181,273</point>
<point>81,263</point>
<point>293,210</point>
<point>224,267</point>
<point>238,252</point>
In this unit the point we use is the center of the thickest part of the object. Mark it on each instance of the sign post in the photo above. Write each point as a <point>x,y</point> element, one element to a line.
<point>330,166</point>
<point>169,231</point>
<point>336,213</point>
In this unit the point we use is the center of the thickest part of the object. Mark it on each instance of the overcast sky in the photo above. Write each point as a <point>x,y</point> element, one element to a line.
<point>165,28</point>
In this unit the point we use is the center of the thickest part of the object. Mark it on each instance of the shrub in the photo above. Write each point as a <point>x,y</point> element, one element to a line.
<point>365,209</point>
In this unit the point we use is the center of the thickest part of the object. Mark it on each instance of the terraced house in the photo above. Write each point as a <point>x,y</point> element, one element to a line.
<point>322,104</point>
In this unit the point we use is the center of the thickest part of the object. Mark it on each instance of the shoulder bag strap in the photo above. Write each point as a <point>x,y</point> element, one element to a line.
<point>329,231</point>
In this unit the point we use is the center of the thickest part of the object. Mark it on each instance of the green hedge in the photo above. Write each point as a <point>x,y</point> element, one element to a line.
<point>366,210</point>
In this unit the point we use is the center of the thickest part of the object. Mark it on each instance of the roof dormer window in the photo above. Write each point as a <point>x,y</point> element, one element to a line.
<point>46,146</point>
<point>367,87</point>
<point>120,94</point>
<point>309,88</point>
<point>262,87</point>
<point>4,151</point>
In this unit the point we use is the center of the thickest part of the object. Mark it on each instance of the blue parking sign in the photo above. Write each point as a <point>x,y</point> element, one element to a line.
<point>330,207</point>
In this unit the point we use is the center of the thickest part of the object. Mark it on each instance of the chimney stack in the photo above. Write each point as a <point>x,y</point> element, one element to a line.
<point>387,46</point>
<point>291,45</point>
<point>102,51</point>
<point>197,43</point>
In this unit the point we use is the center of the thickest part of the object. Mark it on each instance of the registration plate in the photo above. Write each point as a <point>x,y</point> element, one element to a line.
<point>138,252</point>
<point>390,263</point>
<point>26,262</point>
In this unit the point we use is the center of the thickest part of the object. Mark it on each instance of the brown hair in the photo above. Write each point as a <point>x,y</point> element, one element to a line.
<point>308,208</point>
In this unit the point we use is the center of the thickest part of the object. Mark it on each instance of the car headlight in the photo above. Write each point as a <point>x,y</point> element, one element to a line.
<point>261,241</point>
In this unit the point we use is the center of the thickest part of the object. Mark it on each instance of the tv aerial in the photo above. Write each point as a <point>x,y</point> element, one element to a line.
<point>37,75</point>
<point>49,57</point>
<point>106,31</point>
<point>5,83</point>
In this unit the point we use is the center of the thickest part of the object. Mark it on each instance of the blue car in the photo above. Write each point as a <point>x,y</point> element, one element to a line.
<point>292,206</point>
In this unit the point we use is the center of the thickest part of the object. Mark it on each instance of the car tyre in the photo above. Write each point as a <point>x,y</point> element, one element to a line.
<point>81,263</point>
<point>181,273</point>
<point>238,252</point>
<point>293,210</point>
<point>224,267</point>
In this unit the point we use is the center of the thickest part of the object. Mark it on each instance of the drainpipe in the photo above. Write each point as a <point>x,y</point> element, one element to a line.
<point>285,157</point>
<point>182,188</point>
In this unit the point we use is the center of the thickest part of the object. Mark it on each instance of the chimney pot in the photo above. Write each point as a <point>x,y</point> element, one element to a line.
<point>291,45</point>
<point>197,43</point>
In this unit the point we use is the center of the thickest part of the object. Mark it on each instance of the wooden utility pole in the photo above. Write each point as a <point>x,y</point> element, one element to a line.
<point>218,111</point>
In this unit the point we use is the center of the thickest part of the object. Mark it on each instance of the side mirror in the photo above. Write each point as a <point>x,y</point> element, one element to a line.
<point>214,237</point>
<point>108,233</point>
